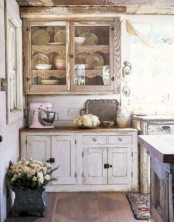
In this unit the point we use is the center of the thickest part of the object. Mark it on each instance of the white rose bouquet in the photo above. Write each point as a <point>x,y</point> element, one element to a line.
<point>29,174</point>
<point>86,121</point>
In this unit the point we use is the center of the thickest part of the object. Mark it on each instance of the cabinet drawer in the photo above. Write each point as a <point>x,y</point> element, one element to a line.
<point>160,129</point>
<point>120,139</point>
<point>94,139</point>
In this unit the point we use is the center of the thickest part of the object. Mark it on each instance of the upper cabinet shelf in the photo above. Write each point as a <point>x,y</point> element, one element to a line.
<point>70,57</point>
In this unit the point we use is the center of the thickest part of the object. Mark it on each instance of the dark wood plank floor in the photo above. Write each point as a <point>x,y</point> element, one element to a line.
<point>83,207</point>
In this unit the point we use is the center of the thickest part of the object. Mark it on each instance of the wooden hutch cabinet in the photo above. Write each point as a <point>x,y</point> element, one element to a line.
<point>56,62</point>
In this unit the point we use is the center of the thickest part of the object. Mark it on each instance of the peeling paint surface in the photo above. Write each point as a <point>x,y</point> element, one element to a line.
<point>95,2</point>
<point>132,6</point>
<point>40,2</point>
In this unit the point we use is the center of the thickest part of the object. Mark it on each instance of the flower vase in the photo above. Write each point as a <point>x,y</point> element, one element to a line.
<point>123,121</point>
<point>29,201</point>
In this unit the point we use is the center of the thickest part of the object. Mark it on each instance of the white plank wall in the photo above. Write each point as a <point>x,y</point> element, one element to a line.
<point>9,147</point>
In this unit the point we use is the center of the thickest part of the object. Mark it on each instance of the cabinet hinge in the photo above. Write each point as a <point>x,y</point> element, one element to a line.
<point>75,174</point>
<point>26,142</point>
<point>82,154</point>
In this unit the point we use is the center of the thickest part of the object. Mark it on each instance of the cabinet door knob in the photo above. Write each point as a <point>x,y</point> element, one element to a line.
<point>94,139</point>
<point>119,139</point>
<point>71,56</point>
<point>51,160</point>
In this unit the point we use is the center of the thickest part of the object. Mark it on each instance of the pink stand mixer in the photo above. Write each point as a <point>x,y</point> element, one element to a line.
<point>43,116</point>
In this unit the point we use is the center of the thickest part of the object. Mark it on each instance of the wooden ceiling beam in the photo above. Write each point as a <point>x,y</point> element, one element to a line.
<point>69,12</point>
<point>132,6</point>
<point>92,2</point>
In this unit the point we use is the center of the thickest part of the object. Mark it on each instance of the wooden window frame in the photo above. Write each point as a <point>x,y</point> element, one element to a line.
<point>12,19</point>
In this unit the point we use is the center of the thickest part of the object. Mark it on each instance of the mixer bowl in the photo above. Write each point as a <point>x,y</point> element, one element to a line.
<point>46,118</point>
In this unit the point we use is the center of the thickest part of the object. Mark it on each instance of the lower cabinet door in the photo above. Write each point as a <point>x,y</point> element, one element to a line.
<point>38,148</point>
<point>120,168</point>
<point>94,160</point>
<point>63,150</point>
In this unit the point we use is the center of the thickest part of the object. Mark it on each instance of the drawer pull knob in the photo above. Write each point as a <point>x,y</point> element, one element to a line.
<point>119,139</point>
<point>94,139</point>
<point>165,127</point>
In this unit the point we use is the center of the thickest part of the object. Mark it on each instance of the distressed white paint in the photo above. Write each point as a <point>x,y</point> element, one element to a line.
<point>120,160</point>
<point>2,41</point>
<point>64,152</point>
<point>2,3</point>
<point>9,147</point>
<point>38,147</point>
<point>94,160</point>
<point>95,140</point>
<point>62,147</point>
<point>9,150</point>
<point>12,18</point>
<point>2,112</point>
<point>82,161</point>
<point>13,8</point>
<point>150,125</point>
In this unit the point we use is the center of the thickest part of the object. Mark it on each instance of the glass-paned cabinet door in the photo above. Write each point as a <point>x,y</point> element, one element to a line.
<point>49,52</point>
<point>93,60</point>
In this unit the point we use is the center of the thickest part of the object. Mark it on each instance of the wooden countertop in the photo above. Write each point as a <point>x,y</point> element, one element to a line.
<point>76,129</point>
<point>159,146</point>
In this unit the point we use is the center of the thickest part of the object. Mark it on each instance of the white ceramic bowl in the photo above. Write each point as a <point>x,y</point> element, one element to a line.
<point>79,40</point>
<point>43,66</point>
<point>108,123</point>
<point>49,82</point>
